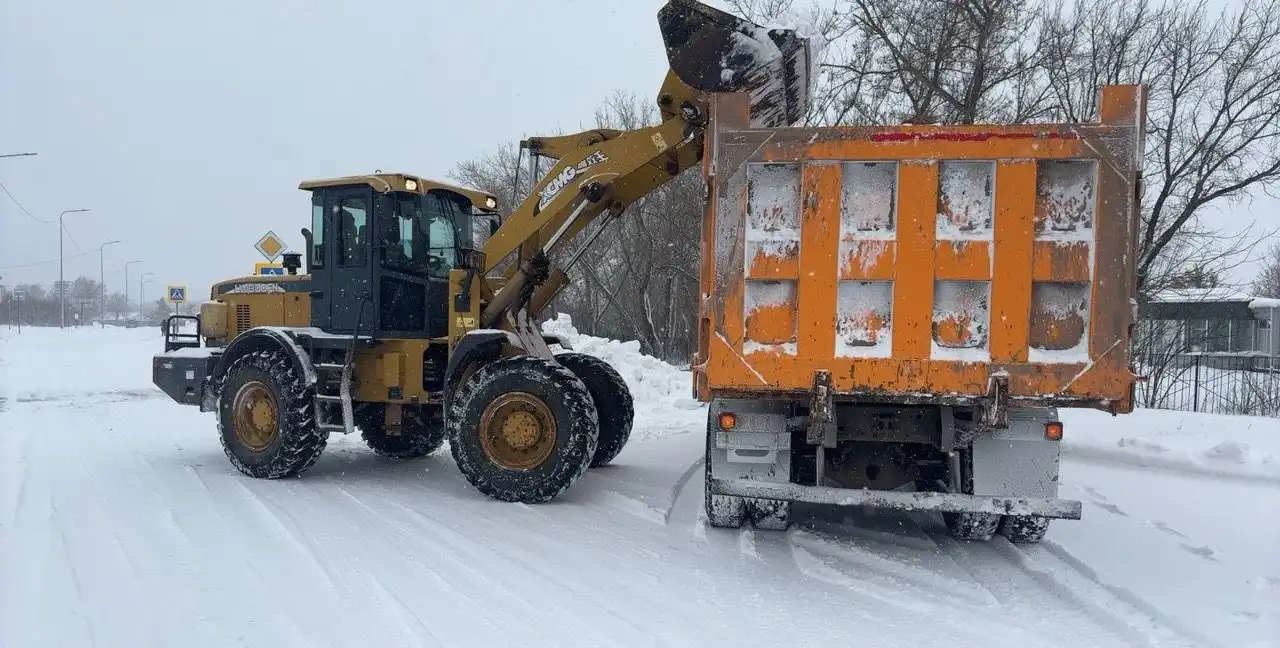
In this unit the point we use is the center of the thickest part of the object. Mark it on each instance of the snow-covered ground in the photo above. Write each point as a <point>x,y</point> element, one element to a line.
<point>122,524</point>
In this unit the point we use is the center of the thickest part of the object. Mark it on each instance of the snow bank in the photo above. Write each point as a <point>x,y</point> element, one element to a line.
<point>663,393</point>
<point>1210,444</point>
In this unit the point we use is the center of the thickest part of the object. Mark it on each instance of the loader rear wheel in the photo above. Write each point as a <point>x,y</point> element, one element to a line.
<point>1024,529</point>
<point>266,421</point>
<point>522,429</point>
<point>418,437</point>
<point>613,402</point>
<point>723,511</point>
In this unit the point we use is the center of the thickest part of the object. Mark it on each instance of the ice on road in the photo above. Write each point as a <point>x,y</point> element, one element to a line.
<point>122,524</point>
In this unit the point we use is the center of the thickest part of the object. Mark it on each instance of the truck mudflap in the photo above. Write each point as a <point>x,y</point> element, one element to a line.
<point>182,374</point>
<point>899,500</point>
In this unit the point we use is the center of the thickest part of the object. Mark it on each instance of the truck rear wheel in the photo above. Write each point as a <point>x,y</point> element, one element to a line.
<point>772,515</point>
<point>723,511</point>
<point>266,420</point>
<point>612,398</point>
<point>978,527</point>
<point>1024,529</point>
<point>417,438</point>
<point>522,429</point>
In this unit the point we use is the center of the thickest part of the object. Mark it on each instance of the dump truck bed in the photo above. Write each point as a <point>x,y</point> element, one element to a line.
<point>922,263</point>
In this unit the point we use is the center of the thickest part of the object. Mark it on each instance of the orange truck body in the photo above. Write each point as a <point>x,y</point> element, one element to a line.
<point>922,264</point>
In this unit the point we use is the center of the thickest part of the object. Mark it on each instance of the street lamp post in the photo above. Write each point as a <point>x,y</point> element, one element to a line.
<point>62,287</point>
<point>9,155</point>
<point>142,293</point>
<point>102,286</point>
<point>126,290</point>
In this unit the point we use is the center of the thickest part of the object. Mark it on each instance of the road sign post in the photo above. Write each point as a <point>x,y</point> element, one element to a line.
<point>176,295</point>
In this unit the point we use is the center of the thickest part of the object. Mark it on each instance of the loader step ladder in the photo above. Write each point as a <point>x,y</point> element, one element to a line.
<point>324,382</point>
<point>333,387</point>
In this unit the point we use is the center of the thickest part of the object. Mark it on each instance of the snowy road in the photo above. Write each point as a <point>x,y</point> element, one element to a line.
<point>122,524</point>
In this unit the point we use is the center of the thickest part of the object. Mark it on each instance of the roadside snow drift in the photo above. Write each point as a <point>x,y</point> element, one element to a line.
<point>123,525</point>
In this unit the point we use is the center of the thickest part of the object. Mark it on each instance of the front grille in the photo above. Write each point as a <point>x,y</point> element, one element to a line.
<point>242,318</point>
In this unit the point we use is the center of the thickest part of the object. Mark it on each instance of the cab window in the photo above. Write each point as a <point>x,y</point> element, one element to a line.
<point>353,220</point>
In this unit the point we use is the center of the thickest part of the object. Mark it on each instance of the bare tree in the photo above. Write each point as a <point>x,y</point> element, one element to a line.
<point>1268,282</point>
<point>1213,110</point>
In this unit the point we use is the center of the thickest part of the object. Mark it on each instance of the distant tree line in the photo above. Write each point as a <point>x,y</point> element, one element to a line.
<point>40,305</point>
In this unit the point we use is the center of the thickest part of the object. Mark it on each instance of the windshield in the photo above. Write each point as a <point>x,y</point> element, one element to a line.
<point>443,213</point>
<point>405,237</point>
<point>419,235</point>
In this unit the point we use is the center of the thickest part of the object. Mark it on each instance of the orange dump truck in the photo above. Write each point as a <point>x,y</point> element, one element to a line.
<point>893,316</point>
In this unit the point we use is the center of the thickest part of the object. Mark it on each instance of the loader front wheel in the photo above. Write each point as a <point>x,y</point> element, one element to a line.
<point>418,437</point>
<point>266,421</point>
<point>612,398</point>
<point>523,429</point>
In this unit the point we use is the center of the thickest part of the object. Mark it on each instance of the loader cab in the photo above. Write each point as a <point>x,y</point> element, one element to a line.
<point>379,252</point>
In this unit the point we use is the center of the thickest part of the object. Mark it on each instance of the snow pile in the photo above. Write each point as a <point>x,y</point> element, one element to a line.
<point>1217,445</point>
<point>660,390</point>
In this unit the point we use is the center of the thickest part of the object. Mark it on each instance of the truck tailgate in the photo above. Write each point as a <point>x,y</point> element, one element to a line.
<point>915,263</point>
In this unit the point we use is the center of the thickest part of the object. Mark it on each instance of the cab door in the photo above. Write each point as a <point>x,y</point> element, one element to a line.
<point>349,216</point>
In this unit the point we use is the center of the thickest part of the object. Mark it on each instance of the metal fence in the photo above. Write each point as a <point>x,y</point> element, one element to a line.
<point>1214,383</point>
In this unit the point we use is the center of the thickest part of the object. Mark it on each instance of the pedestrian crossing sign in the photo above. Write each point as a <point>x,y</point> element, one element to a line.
<point>261,268</point>
<point>177,294</point>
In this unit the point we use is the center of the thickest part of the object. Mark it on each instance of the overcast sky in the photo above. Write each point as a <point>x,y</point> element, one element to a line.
<point>186,127</point>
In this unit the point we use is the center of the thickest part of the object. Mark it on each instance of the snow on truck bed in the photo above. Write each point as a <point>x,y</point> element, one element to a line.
<point>122,524</point>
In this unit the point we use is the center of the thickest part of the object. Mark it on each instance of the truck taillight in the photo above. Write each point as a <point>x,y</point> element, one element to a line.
<point>1053,430</point>
<point>728,420</point>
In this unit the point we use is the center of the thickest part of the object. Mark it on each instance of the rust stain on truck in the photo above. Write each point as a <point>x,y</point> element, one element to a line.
<point>916,263</point>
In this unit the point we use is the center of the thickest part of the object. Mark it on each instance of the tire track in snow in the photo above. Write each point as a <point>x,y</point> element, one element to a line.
<point>1127,614</point>
<point>977,628</point>
<point>502,550</point>
<point>494,591</point>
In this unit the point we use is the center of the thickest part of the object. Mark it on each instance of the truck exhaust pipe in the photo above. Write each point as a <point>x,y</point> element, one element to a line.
<point>714,51</point>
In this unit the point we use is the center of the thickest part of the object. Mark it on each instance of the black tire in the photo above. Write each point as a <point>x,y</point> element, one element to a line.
<point>768,514</point>
<point>976,527</point>
<point>1024,529</point>
<point>723,511</point>
<point>569,406</point>
<point>418,437</point>
<point>296,444</point>
<point>613,402</point>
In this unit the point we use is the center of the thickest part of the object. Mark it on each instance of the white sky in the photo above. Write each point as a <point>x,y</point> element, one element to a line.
<point>186,127</point>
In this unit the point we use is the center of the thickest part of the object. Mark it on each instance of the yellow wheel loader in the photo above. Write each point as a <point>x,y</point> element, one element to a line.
<point>404,328</point>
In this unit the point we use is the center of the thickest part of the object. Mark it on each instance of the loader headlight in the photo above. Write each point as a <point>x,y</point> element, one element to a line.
<point>490,203</point>
<point>411,185</point>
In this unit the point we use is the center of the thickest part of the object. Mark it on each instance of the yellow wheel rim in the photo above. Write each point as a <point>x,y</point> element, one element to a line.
<point>517,431</point>
<point>257,416</point>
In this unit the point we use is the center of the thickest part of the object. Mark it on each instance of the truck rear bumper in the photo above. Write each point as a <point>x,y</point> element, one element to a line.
<point>902,501</point>
<point>182,373</point>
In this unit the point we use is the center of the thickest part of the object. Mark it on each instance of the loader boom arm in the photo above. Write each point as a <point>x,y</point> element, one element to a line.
<point>599,173</point>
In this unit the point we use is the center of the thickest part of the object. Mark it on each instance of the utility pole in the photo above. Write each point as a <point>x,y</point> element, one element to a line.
<point>102,286</point>
<point>126,290</point>
<point>142,294</point>
<point>62,288</point>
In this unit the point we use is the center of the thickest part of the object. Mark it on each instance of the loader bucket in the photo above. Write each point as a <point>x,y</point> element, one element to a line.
<point>714,51</point>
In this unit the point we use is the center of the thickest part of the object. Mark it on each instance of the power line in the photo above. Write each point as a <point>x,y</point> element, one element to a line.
<point>23,209</point>
<point>38,263</point>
